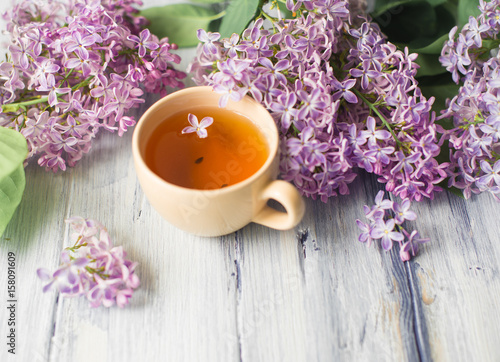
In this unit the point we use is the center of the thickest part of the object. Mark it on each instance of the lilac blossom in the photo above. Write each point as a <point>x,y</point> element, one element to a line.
<point>412,244</point>
<point>386,223</point>
<point>208,39</point>
<point>344,90</point>
<point>92,267</point>
<point>491,175</point>
<point>342,96</point>
<point>384,230</point>
<point>474,139</point>
<point>143,44</point>
<point>402,212</point>
<point>78,44</point>
<point>200,128</point>
<point>78,71</point>
<point>285,109</point>
<point>372,134</point>
<point>366,232</point>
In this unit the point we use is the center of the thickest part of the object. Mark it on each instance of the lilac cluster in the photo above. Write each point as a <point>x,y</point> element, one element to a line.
<point>342,97</point>
<point>385,223</point>
<point>93,267</point>
<point>472,58</point>
<point>76,67</point>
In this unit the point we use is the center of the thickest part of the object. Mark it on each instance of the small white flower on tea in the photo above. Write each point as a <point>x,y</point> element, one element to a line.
<point>199,128</point>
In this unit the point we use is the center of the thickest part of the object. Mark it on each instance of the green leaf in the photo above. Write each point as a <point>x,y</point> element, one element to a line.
<point>280,7</point>
<point>434,47</point>
<point>208,1</point>
<point>394,7</point>
<point>429,65</point>
<point>442,88</point>
<point>467,8</point>
<point>455,191</point>
<point>416,19</point>
<point>179,22</point>
<point>421,28</point>
<point>11,193</point>
<point>418,25</point>
<point>239,13</point>
<point>13,151</point>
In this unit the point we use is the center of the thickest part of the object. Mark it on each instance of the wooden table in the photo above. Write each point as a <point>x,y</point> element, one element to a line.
<point>313,293</point>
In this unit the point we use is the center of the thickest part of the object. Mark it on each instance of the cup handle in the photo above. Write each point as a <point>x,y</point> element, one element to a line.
<point>288,196</point>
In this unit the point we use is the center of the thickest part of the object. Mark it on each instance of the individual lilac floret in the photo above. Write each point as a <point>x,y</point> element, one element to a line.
<point>93,267</point>
<point>143,42</point>
<point>411,245</point>
<point>402,212</point>
<point>365,236</point>
<point>385,232</point>
<point>200,128</point>
<point>385,223</point>
<point>380,207</point>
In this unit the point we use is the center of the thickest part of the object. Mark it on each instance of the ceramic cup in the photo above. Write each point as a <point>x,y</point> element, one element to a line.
<point>220,211</point>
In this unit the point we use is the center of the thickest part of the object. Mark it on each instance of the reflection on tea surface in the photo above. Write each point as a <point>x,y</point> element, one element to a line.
<point>233,150</point>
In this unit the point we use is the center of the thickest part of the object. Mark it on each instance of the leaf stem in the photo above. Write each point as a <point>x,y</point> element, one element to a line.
<point>14,107</point>
<point>217,16</point>
<point>377,112</point>
<point>268,17</point>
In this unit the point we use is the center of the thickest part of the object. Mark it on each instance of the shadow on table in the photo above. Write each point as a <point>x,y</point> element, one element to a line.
<point>43,206</point>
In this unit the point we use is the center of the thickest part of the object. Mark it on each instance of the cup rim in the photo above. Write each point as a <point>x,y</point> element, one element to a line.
<point>138,157</point>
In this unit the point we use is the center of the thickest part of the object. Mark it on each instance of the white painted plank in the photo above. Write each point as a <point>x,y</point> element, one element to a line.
<point>185,306</point>
<point>458,277</point>
<point>339,302</point>
<point>35,235</point>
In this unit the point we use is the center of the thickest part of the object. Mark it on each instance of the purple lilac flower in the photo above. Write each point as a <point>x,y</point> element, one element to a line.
<point>475,138</point>
<point>386,221</point>
<point>143,42</point>
<point>85,62</point>
<point>385,232</point>
<point>200,128</point>
<point>491,175</point>
<point>48,84</point>
<point>92,267</point>
<point>79,44</point>
<point>334,73</point>
<point>402,212</point>
<point>344,90</point>
<point>208,39</point>
<point>365,236</point>
<point>372,134</point>
<point>285,109</point>
<point>380,206</point>
<point>414,240</point>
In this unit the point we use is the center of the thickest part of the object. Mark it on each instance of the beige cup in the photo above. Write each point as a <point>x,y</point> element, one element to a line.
<point>220,211</point>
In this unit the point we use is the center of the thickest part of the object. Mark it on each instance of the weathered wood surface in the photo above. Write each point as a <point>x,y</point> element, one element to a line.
<point>309,294</point>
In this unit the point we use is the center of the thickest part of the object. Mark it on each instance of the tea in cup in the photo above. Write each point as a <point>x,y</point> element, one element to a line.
<point>210,170</point>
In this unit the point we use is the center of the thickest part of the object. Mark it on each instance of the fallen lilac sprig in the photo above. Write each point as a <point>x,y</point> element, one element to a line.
<point>93,267</point>
<point>385,223</point>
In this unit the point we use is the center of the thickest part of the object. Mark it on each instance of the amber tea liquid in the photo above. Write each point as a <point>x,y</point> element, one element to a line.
<point>233,150</point>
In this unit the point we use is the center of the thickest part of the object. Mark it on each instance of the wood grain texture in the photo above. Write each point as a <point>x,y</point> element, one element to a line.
<point>309,294</point>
